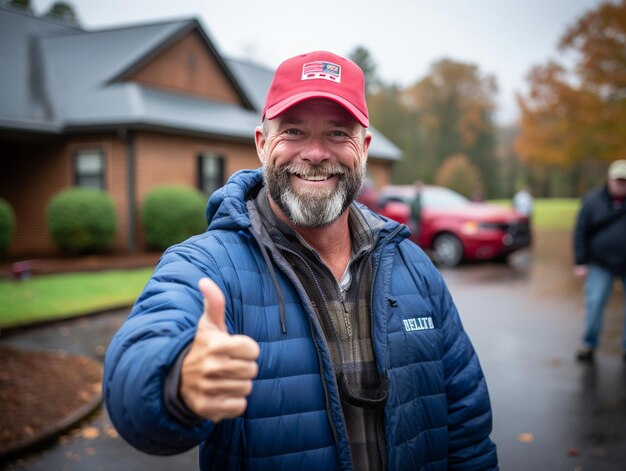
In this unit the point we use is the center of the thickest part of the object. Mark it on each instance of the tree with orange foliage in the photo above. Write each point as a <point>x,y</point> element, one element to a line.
<point>571,118</point>
<point>449,111</point>
<point>455,104</point>
<point>459,174</point>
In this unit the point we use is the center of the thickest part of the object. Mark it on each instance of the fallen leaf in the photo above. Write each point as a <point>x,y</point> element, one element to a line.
<point>526,438</point>
<point>572,452</point>
<point>90,451</point>
<point>110,431</point>
<point>90,433</point>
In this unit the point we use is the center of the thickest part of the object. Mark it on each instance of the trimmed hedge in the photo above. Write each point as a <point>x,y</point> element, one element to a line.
<point>82,221</point>
<point>171,214</point>
<point>7,224</point>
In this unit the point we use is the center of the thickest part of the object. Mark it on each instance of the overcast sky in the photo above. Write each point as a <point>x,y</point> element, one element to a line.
<point>505,38</point>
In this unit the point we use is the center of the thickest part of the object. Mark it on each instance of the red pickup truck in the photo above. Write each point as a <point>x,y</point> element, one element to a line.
<point>451,227</point>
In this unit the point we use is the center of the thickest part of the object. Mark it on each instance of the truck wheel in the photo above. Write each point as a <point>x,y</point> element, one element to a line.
<point>448,250</point>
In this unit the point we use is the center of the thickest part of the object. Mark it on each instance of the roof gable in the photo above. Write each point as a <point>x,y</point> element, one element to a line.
<point>187,65</point>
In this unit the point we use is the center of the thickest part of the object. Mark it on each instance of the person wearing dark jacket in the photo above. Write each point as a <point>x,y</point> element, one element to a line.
<point>600,252</point>
<point>301,331</point>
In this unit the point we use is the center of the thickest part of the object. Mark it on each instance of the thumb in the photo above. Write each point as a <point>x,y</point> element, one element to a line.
<point>213,315</point>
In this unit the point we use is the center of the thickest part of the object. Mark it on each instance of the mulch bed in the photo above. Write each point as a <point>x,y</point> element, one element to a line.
<point>42,393</point>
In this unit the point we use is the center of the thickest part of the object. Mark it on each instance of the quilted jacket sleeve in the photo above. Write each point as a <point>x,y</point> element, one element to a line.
<point>469,409</point>
<point>161,324</point>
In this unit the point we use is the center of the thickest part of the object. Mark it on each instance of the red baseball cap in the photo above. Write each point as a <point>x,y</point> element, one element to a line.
<point>318,74</point>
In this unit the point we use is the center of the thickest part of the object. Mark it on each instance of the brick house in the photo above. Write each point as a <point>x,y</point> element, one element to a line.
<point>124,110</point>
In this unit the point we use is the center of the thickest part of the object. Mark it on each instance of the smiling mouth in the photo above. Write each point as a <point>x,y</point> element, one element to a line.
<point>314,173</point>
<point>314,178</point>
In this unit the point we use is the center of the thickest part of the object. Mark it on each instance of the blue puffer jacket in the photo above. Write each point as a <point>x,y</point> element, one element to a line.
<point>437,416</point>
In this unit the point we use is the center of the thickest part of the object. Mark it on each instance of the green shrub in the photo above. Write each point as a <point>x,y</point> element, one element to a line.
<point>82,221</point>
<point>7,224</point>
<point>171,214</point>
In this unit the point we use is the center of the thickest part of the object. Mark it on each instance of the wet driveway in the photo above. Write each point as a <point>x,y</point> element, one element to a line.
<point>525,318</point>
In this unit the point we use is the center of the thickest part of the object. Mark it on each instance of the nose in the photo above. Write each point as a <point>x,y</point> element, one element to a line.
<point>314,151</point>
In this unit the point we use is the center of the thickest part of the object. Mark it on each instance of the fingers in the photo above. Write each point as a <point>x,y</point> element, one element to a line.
<point>222,367</point>
<point>234,388</point>
<point>213,315</point>
<point>239,347</point>
<point>217,408</point>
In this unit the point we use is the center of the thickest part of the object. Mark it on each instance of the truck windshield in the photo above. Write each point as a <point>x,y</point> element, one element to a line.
<point>442,198</point>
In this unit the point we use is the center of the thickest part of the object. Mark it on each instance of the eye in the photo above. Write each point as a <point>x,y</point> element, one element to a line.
<point>338,133</point>
<point>293,131</point>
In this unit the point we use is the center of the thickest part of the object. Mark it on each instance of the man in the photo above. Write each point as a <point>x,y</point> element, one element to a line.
<point>320,338</point>
<point>600,252</point>
<point>416,208</point>
<point>523,202</point>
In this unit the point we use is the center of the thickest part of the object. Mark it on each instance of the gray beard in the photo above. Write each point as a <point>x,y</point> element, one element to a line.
<point>313,208</point>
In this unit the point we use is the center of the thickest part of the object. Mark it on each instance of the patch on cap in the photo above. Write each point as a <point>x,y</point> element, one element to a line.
<point>321,70</point>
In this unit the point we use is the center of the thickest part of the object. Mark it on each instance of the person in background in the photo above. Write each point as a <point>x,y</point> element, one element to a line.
<point>523,202</point>
<point>301,331</point>
<point>416,208</point>
<point>478,196</point>
<point>600,252</point>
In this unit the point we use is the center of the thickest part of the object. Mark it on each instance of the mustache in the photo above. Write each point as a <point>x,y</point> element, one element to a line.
<point>312,171</point>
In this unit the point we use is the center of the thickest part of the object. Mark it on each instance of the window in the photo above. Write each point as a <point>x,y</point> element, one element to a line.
<point>210,172</point>
<point>89,169</point>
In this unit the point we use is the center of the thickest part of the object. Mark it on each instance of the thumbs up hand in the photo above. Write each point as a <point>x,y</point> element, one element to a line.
<point>217,372</point>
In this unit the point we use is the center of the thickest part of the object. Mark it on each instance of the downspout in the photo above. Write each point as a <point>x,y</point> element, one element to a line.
<point>131,188</point>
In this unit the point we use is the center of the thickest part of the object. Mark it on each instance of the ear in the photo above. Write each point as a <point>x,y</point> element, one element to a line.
<point>259,141</point>
<point>366,144</point>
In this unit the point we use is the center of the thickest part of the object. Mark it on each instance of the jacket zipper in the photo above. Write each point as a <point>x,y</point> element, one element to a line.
<point>317,346</point>
<point>381,422</point>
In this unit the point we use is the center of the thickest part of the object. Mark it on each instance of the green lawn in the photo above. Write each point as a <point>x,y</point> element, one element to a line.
<point>551,213</point>
<point>67,295</point>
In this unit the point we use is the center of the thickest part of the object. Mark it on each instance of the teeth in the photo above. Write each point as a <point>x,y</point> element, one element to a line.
<point>314,178</point>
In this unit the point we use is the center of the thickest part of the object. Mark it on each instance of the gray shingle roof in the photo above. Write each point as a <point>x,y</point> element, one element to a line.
<point>56,78</point>
<point>24,97</point>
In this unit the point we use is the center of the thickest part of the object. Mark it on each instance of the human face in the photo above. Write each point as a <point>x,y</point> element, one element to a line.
<point>314,157</point>
<point>617,187</point>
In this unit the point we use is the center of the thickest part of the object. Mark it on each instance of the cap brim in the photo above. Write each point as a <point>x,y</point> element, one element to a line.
<point>287,103</point>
